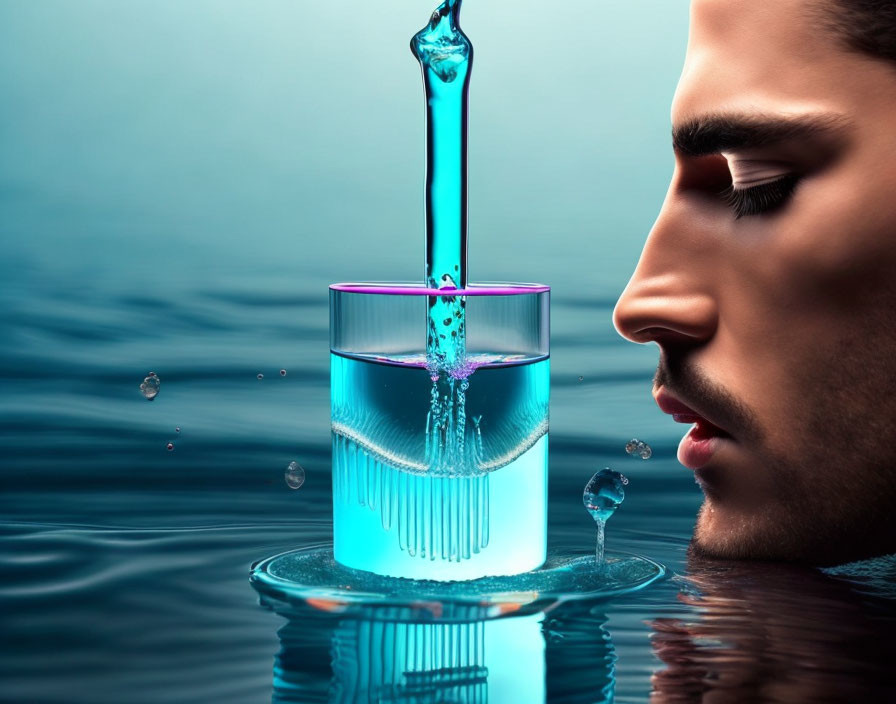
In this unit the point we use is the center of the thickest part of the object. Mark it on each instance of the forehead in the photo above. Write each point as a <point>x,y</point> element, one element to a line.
<point>765,55</point>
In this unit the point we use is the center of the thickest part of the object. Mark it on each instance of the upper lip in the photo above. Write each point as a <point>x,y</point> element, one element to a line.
<point>680,411</point>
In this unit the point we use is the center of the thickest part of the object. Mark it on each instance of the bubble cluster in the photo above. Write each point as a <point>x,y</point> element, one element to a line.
<point>150,386</point>
<point>637,448</point>
<point>294,475</point>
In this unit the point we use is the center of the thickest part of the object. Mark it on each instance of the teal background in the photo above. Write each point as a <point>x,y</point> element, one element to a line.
<point>156,140</point>
<point>179,183</point>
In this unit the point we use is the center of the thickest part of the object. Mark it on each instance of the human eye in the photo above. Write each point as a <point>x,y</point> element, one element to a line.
<point>762,198</point>
<point>758,186</point>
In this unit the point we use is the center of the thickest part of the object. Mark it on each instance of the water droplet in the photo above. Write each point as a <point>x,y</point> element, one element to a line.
<point>260,377</point>
<point>177,429</point>
<point>638,448</point>
<point>604,493</point>
<point>282,372</point>
<point>150,386</point>
<point>294,475</point>
<point>170,447</point>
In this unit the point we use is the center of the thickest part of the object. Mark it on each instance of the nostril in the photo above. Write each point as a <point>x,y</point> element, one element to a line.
<point>666,319</point>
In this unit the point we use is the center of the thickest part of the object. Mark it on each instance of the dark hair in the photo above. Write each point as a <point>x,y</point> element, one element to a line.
<point>866,26</point>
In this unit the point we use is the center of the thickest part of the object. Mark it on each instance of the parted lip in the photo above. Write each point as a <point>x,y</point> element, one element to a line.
<point>682,413</point>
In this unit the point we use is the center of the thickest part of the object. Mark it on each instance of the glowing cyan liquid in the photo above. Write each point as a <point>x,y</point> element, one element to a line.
<point>436,457</point>
<point>445,55</point>
<point>472,662</point>
<point>412,501</point>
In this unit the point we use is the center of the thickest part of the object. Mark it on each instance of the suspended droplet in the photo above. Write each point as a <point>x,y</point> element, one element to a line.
<point>604,493</point>
<point>150,386</point>
<point>294,475</point>
<point>602,496</point>
<point>638,448</point>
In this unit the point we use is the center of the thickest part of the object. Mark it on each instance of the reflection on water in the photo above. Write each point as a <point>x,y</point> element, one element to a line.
<point>395,655</point>
<point>123,567</point>
<point>774,633</point>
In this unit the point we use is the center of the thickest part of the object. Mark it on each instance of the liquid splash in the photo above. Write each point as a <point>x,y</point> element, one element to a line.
<point>445,54</point>
<point>435,517</point>
<point>602,496</point>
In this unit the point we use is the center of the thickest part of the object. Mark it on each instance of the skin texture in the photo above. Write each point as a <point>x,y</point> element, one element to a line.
<point>781,327</point>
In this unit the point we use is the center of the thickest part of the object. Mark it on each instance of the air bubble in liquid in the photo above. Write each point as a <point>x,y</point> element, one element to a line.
<point>150,386</point>
<point>282,372</point>
<point>294,475</point>
<point>260,377</point>
<point>170,447</point>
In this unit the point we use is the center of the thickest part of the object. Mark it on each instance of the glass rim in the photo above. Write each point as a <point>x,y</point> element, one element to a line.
<point>417,288</point>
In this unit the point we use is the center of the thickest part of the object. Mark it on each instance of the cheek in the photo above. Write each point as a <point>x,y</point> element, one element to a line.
<point>836,253</point>
<point>804,303</point>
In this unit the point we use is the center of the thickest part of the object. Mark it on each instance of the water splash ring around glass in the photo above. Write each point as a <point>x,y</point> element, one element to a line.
<point>311,577</point>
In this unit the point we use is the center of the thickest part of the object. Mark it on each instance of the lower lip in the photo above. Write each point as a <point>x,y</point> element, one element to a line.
<point>698,447</point>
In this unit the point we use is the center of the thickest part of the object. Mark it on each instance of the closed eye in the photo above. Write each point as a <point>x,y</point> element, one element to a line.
<point>763,198</point>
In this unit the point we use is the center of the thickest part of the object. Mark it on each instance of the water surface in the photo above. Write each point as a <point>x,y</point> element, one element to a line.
<point>125,565</point>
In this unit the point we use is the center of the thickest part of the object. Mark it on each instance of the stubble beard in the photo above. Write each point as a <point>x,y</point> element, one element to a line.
<point>831,488</point>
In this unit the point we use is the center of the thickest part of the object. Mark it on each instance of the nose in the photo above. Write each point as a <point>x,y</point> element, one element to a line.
<point>670,297</point>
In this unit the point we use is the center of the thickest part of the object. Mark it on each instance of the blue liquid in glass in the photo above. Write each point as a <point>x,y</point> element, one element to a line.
<point>445,55</point>
<point>426,488</point>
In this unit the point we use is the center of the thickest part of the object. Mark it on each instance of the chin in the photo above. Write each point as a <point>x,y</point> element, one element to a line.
<point>727,534</point>
<point>776,535</point>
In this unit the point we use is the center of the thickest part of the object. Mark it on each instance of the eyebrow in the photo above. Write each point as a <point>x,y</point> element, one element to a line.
<point>713,134</point>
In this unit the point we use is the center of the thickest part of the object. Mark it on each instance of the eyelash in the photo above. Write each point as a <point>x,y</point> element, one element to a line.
<point>763,198</point>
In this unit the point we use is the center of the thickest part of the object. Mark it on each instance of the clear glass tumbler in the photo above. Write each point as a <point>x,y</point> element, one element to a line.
<point>439,475</point>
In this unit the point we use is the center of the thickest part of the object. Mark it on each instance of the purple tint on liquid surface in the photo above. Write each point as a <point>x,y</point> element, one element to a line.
<point>413,289</point>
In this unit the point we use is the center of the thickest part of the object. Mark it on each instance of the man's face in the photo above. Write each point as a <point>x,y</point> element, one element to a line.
<point>769,284</point>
